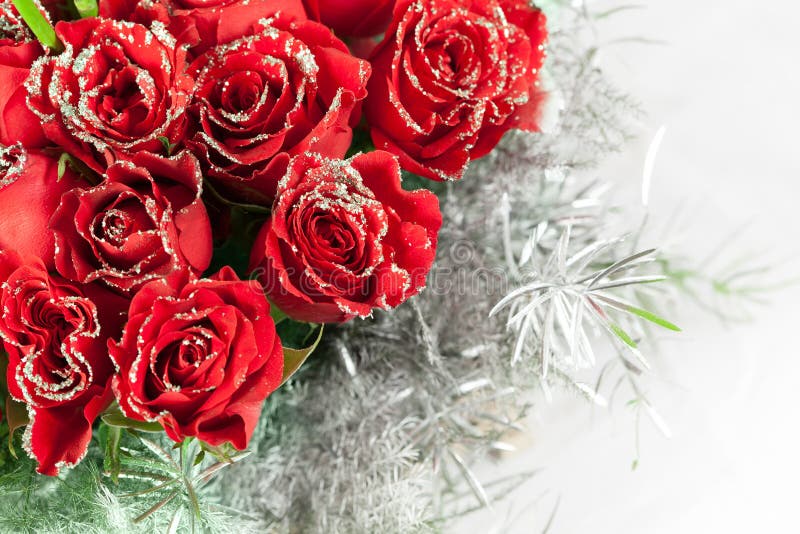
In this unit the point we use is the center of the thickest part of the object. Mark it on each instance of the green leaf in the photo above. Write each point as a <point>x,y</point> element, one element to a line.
<point>117,419</point>
<point>293,359</point>
<point>294,333</point>
<point>639,312</point>
<point>277,315</point>
<point>86,8</point>
<point>17,417</point>
<point>222,453</point>
<point>168,147</point>
<point>111,461</point>
<point>38,24</point>
<point>67,160</point>
<point>62,165</point>
<point>653,318</point>
<point>620,333</point>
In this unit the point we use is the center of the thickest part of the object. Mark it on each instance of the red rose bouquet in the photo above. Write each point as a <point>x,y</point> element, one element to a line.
<point>191,189</point>
<point>146,141</point>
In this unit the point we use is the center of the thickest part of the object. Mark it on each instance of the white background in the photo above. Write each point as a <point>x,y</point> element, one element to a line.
<point>726,84</point>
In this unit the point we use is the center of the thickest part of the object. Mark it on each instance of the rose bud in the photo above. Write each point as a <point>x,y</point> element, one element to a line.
<point>288,89</point>
<point>345,238</point>
<point>18,50</point>
<point>451,77</point>
<point>30,191</point>
<point>117,89</point>
<point>352,18</point>
<point>145,221</point>
<point>55,336</point>
<point>214,22</point>
<point>199,357</point>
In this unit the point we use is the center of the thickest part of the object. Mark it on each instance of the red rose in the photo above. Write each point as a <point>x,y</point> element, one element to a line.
<point>30,191</point>
<point>288,89</point>
<point>18,50</point>
<point>352,18</point>
<point>215,21</point>
<point>119,9</point>
<point>117,89</point>
<point>345,238</point>
<point>199,358</point>
<point>144,221</point>
<point>55,335</point>
<point>451,77</point>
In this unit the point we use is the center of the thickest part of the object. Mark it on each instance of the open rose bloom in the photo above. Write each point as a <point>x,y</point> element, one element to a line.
<point>148,148</point>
